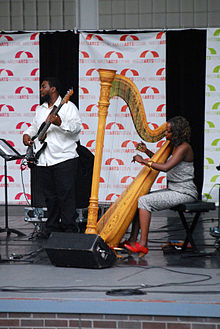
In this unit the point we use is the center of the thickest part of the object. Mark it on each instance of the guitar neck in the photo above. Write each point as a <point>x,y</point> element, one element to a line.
<point>47,124</point>
<point>58,108</point>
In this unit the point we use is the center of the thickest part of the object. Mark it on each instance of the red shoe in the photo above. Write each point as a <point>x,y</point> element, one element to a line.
<point>138,248</point>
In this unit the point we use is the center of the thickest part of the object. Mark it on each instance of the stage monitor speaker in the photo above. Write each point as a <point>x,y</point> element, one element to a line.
<point>79,250</point>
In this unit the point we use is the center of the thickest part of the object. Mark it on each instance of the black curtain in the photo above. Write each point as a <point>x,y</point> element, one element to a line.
<point>59,57</point>
<point>185,87</point>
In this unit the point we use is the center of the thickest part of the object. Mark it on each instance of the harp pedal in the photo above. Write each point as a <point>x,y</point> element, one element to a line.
<point>117,249</point>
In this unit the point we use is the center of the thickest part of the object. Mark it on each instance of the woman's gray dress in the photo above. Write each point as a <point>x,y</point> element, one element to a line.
<point>180,189</point>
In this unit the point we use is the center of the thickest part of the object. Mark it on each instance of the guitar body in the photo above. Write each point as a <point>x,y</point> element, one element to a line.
<point>34,151</point>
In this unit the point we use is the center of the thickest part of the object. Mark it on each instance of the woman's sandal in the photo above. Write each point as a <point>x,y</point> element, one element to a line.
<point>137,248</point>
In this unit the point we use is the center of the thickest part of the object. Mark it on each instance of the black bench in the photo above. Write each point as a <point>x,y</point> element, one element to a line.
<point>196,207</point>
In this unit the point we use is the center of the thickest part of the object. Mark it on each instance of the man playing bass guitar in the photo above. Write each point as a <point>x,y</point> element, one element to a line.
<point>58,159</point>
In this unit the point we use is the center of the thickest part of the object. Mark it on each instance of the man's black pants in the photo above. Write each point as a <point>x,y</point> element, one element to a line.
<point>58,183</point>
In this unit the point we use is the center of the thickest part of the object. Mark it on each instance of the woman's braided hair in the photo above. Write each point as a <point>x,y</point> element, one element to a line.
<point>180,129</point>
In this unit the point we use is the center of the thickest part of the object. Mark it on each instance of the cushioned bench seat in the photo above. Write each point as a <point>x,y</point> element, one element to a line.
<point>196,207</point>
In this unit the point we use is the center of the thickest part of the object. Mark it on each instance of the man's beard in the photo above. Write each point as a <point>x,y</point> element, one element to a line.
<point>45,98</point>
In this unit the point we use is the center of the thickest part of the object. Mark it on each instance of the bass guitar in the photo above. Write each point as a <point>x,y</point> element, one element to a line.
<point>34,151</point>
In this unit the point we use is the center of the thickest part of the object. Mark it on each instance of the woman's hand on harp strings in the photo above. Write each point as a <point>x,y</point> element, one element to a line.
<point>138,158</point>
<point>141,160</point>
<point>141,147</point>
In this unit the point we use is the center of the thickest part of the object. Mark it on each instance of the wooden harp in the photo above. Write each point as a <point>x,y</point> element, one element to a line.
<point>114,223</point>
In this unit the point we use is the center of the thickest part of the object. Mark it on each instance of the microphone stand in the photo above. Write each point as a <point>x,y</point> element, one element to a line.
<point>9,154</point>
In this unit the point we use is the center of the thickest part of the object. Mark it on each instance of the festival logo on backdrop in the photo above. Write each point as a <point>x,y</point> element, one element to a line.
<point>19,93</point>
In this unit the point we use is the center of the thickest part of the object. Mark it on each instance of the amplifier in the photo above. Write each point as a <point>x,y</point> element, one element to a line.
<point>79,250</point>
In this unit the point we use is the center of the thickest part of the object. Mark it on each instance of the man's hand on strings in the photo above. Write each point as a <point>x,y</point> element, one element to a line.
<point>55,119</point>
<point>27,140</point>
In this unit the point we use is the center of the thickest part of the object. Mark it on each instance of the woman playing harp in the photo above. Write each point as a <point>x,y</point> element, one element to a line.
<point>180,189</point>
<point>115,221</point>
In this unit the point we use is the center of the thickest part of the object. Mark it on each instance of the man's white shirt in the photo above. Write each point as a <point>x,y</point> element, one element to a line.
<point>61,140</point>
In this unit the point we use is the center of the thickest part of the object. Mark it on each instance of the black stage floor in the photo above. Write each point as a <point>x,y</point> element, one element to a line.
<point>171,283</point>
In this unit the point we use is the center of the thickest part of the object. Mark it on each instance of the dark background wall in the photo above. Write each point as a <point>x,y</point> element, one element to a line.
<point>185,87</point>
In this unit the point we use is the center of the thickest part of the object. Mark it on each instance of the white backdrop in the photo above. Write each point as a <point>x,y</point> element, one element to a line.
<point>19,94</point>
<point>140,57</point>
<point>212,117</point>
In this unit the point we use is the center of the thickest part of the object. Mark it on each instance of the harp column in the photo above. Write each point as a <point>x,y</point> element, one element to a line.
<point>106,78</point>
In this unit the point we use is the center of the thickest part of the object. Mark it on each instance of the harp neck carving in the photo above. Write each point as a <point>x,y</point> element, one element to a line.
<point>127,90</point>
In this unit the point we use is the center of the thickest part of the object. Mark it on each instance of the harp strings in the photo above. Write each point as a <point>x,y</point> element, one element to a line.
<point>124,88</point>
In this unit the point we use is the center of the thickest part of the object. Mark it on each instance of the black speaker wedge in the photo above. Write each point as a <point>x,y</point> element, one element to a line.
<point>79,250</point>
